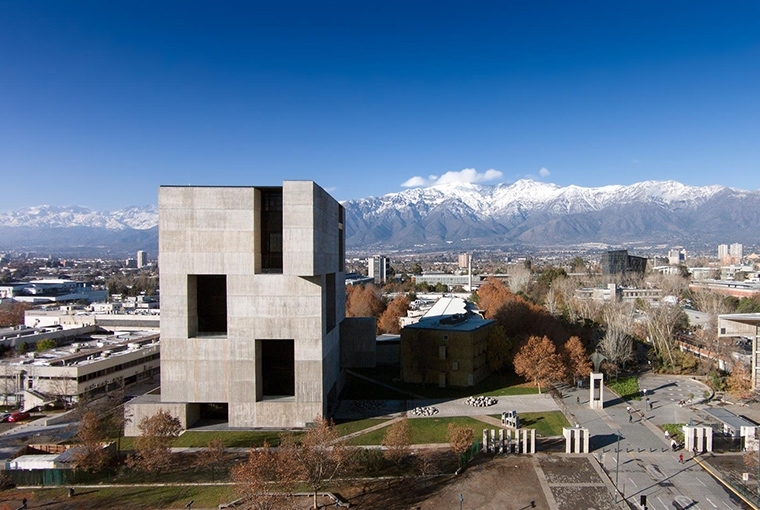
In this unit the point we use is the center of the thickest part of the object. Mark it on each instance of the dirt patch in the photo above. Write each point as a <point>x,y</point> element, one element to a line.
<point>576,497</point>
<point>568,469</point>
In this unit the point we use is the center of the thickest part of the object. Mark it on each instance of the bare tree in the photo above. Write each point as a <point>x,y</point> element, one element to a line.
<point>739,381</point>
<point>318,456</point>
<point>661,323</point>
<point>563,290</point>
<point>212,455</point>
<point>397,439</point>
<point>712,304</point>
<point>264,479</point>
<point>91,454</point>
<point>460,439</point>
<point>617,343</point>
<point>152,446</point>
<point>519,278</point>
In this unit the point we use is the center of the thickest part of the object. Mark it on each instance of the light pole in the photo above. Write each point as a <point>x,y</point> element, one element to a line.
<point>617,466</point>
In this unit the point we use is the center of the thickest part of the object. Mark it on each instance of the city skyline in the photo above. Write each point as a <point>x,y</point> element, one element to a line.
<point>100,103</point>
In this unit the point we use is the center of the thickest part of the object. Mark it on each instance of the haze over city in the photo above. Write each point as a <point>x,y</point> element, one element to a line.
<point>100,103</point>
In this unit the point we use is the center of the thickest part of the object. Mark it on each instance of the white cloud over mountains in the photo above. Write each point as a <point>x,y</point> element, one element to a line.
<point>465,175</point>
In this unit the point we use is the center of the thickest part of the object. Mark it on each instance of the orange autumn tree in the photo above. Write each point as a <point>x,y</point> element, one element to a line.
<point>576,358</point>
<point>492,296</point>
<point>363,301</point>
<point>539,362</point>
<point>389,320</point>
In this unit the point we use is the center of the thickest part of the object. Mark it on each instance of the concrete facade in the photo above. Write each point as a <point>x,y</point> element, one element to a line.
<point>448,350</point>
<point>744,326</point>
<point>252,298</point>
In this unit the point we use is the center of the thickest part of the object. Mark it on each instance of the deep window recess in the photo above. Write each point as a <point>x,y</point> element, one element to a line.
<point>211,298</point>
<point>271,230</point>
<point>330,308</point>
<point>278,368</point>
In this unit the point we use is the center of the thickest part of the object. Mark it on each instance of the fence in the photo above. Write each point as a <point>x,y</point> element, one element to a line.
<point>54,477</point>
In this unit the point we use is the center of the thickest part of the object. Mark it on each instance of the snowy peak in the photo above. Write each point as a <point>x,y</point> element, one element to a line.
<point>137,218</point>
<point>539,213</point>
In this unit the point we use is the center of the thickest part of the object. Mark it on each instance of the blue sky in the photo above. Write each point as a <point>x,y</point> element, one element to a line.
<point>103,101</point>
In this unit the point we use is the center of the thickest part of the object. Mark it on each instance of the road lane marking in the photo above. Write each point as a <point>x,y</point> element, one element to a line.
<point>713,504</point>
<point>700,481</point>
<point>634,483</point>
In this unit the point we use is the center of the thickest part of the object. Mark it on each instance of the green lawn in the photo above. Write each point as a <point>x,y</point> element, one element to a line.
<point>627,387</point>
<point>546,424</point>
<point>349,427</point>
<point>248,438</point>
<point>424,430</point>
<point>493,385</point>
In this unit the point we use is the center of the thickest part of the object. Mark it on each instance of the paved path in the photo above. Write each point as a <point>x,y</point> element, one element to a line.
<point>645,465</point>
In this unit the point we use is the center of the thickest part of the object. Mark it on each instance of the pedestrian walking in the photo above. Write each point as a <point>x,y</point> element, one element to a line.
<point>630,418</point>
<point>628,408</point>
<point>680,458</point>
<point>577,400</point>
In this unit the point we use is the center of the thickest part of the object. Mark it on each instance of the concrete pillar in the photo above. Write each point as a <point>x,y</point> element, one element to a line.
<point>698,438</point>
<point>576,440</point>
<point>485,441</point>
<point>596,391</point>
<point>749,438</point>
<point>501,440</point>
<point>568,433</point>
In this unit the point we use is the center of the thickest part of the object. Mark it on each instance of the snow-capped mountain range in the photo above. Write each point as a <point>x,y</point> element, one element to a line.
<point>464,215</point>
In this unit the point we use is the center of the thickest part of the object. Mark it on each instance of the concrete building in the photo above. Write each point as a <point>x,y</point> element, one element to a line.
<point>450,280</point>
<point>252,303</point>
<point>743,327</point>
<point>378,268</point>
<point>447,347</point>
<point>676,256</point>
<point>612,292</point>
<point>53,290</point>
<point>619,262</point>
<point>464,260</point>
<point>81,365</point>
<point>723,252</point>
<point>736,250</point>
<point>142,258</point>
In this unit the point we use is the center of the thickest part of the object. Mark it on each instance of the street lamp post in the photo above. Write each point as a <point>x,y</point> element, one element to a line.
<point>617,466</point>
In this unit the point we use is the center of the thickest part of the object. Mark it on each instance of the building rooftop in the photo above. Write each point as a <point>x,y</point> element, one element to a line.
<point>453,314</point>
<point>85,352</point>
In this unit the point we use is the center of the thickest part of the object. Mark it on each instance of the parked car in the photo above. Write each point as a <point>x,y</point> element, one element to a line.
<point>18,416</point>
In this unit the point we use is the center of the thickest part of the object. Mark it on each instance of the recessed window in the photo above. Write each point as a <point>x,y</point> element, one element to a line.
<point>330,308</point>
<point>271,230</point>
<point>207,304</point>
<point>277,368</point>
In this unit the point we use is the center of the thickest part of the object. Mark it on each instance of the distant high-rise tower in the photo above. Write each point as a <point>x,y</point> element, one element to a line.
<point>676,256</point>
<point>142,258</point>
<point>377,268</point>
<point>736,251</point>
<point>722,252</point>
<point>464,260</point>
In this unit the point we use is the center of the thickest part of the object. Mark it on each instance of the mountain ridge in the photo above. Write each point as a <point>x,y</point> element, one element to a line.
<point>455,215</point>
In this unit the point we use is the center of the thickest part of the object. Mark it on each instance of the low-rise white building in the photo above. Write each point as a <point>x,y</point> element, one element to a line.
<point>80,368</point>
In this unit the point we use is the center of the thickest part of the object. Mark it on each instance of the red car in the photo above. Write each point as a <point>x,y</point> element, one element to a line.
<point>18,416</point>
